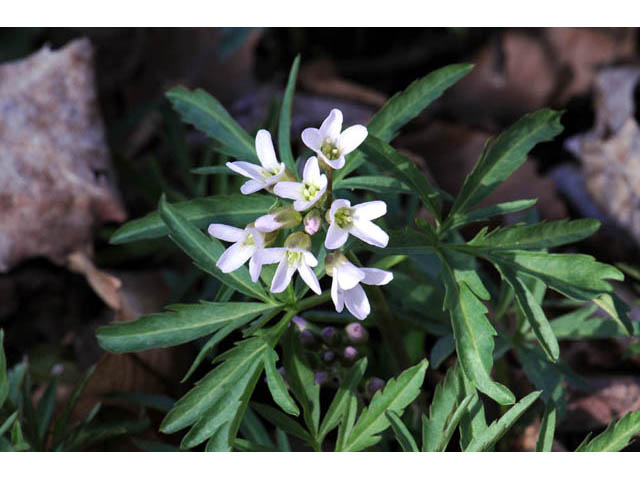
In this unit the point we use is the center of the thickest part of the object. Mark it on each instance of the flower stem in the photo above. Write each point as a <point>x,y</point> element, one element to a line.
<point>311,302</point>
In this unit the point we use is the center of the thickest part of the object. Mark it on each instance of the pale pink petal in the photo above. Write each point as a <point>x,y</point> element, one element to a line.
<point>309,277</point>
<point>246,169</point>
<point>267,223</point>
<point>332,125</point>
<point>252,186</point>
<point>348,275</point>
<point>292,190</point>
<point>371,210</point>
<point>234,257</point>
<point>357,302</point>
<point>312,138</point>
<point>370,232</point>
<point>351,139</point>
<point>265,151</point>
<point>226,232</point>
<point>336,237</point>
<point>375,276</point>
<point>267,256</point>
<point>282,277</point>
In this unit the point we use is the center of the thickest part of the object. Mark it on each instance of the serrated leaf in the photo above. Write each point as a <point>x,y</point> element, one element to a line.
<point>505,156</point>
<point>340,402</point>
<point>401,432</point>
<point>473,333</point>
<point>498,428</point>
<point>253,428</point>
<point>396,395</point>
<point>484,213</point>
<point>374,183</point>
<point>236,210</point>
<point>207,114</point>
<point>544,375</point>
<point>473,421</point>
<point>181,324</point>
<point>453,421</point>
<point>386,157</point>
<point>205,252</point>
<point>348,421</point>
<point>537,236</point>
<point>617,310</point>
<point>445,400</point>
<point>581,324</point>
<point>276,384</point>
<point>441,350</point>
<point>279,419</point>
<point>616,437</point>
<point>284,122</point>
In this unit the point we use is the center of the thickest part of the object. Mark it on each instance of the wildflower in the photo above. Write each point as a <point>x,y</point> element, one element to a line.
<point>346,288</point>
<point>307,192</point>
<point>261,177</point>
<point>295,255</point>
<point>312,222</point>
<point>331,145</point>
<point>247,243</point>
<point>345,219</point>
<point>285,217</point>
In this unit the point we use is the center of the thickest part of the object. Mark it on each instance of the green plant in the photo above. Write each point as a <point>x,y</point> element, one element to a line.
<point>440,287</point>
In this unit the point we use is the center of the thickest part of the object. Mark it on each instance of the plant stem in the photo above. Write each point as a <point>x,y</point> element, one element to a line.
<point>311,302</point>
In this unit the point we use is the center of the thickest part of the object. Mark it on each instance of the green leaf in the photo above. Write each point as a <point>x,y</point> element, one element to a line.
<point>580,324</point>
<point>505,156</point>
<point>348,421</point>
<point>212,170</point>
<point>161,403</point>
<point>396,396</point>
<point>546,376</point>
<point>442,349</point>
<point>6,425</point>
<point>213,405</point>
<point>181,324</point>
<point>208,115</point>
<point>4,379</point>
<point>484,213</point>
<point>253,428</point>
<point>617,436</point>
<point>498,428</point>
<point>236,210</point>
<point>453,422</point>
<point>63,419</point>
<point>44,410</point>
<point>617,310</point>
<point>407,242</point>
<point>473,422</point>
<point>537,236</point>
<point>386,157</point>
<point>547,430</point>
<point>284,123</point>
<point>401,432</point>
<point>90,435</point>
<point>276,384</point>
<point>340,402</point>
<point>279,419</point>
<point>378,184</point>
<point>205,252</point>
<point>472,331</point>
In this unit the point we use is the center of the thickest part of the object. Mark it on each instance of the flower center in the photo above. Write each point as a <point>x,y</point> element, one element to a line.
<point>268,173</point>
<point>330,150</point>
<point>249,240</point>
<point>343,217</point>
<point>309,191</point>
<point>293,258</point>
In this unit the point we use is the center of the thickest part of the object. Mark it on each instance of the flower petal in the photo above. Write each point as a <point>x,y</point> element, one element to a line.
<point>351,138</point>
<point>282,277</point>
<point>370,232</point>
<point>234,257</point>
<point>375,276</point>
<point>311,172</point>
<point>267,223</point>
<point>309,277</point>
<point>251,186</point>
<point>335,164</point>
<point>357,302</point>
<point>292,190</point>
<point>246,169</point>
<point>309,259</point>
<point>226,232</point>
<point>332,125</point>
<point>337,295</point>
<point>371,210</point>
<point>255,267</point>
<point>336,237</point>
<point>265,151</point>
<point>267,256</point>
<point>348,275</point>
<point>312,138</point>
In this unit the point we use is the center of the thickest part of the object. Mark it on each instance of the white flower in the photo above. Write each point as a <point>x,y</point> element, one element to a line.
<point>345,219</point>
<point>261,177</point>
<point>307,192</point>
<point>346,288</point>
<point>329,143</point>
<point>247,243</point>
<point>295,255</point>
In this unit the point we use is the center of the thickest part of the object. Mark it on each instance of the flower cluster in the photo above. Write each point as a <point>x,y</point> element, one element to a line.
<point>312,197</point>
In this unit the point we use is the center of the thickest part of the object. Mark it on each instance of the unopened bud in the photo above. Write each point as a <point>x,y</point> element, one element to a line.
<point>356,333</point>
<point>298,240</point>
<point>320,378</point>
<point>300,322</point>
<point>285,217</point>
<point>312,222</point>
<point>330,336</point>
<point>333,260</point>
<point>308,339</point>
<point>328,357</point>
<point>374,384</point>
<point>349,355</point>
